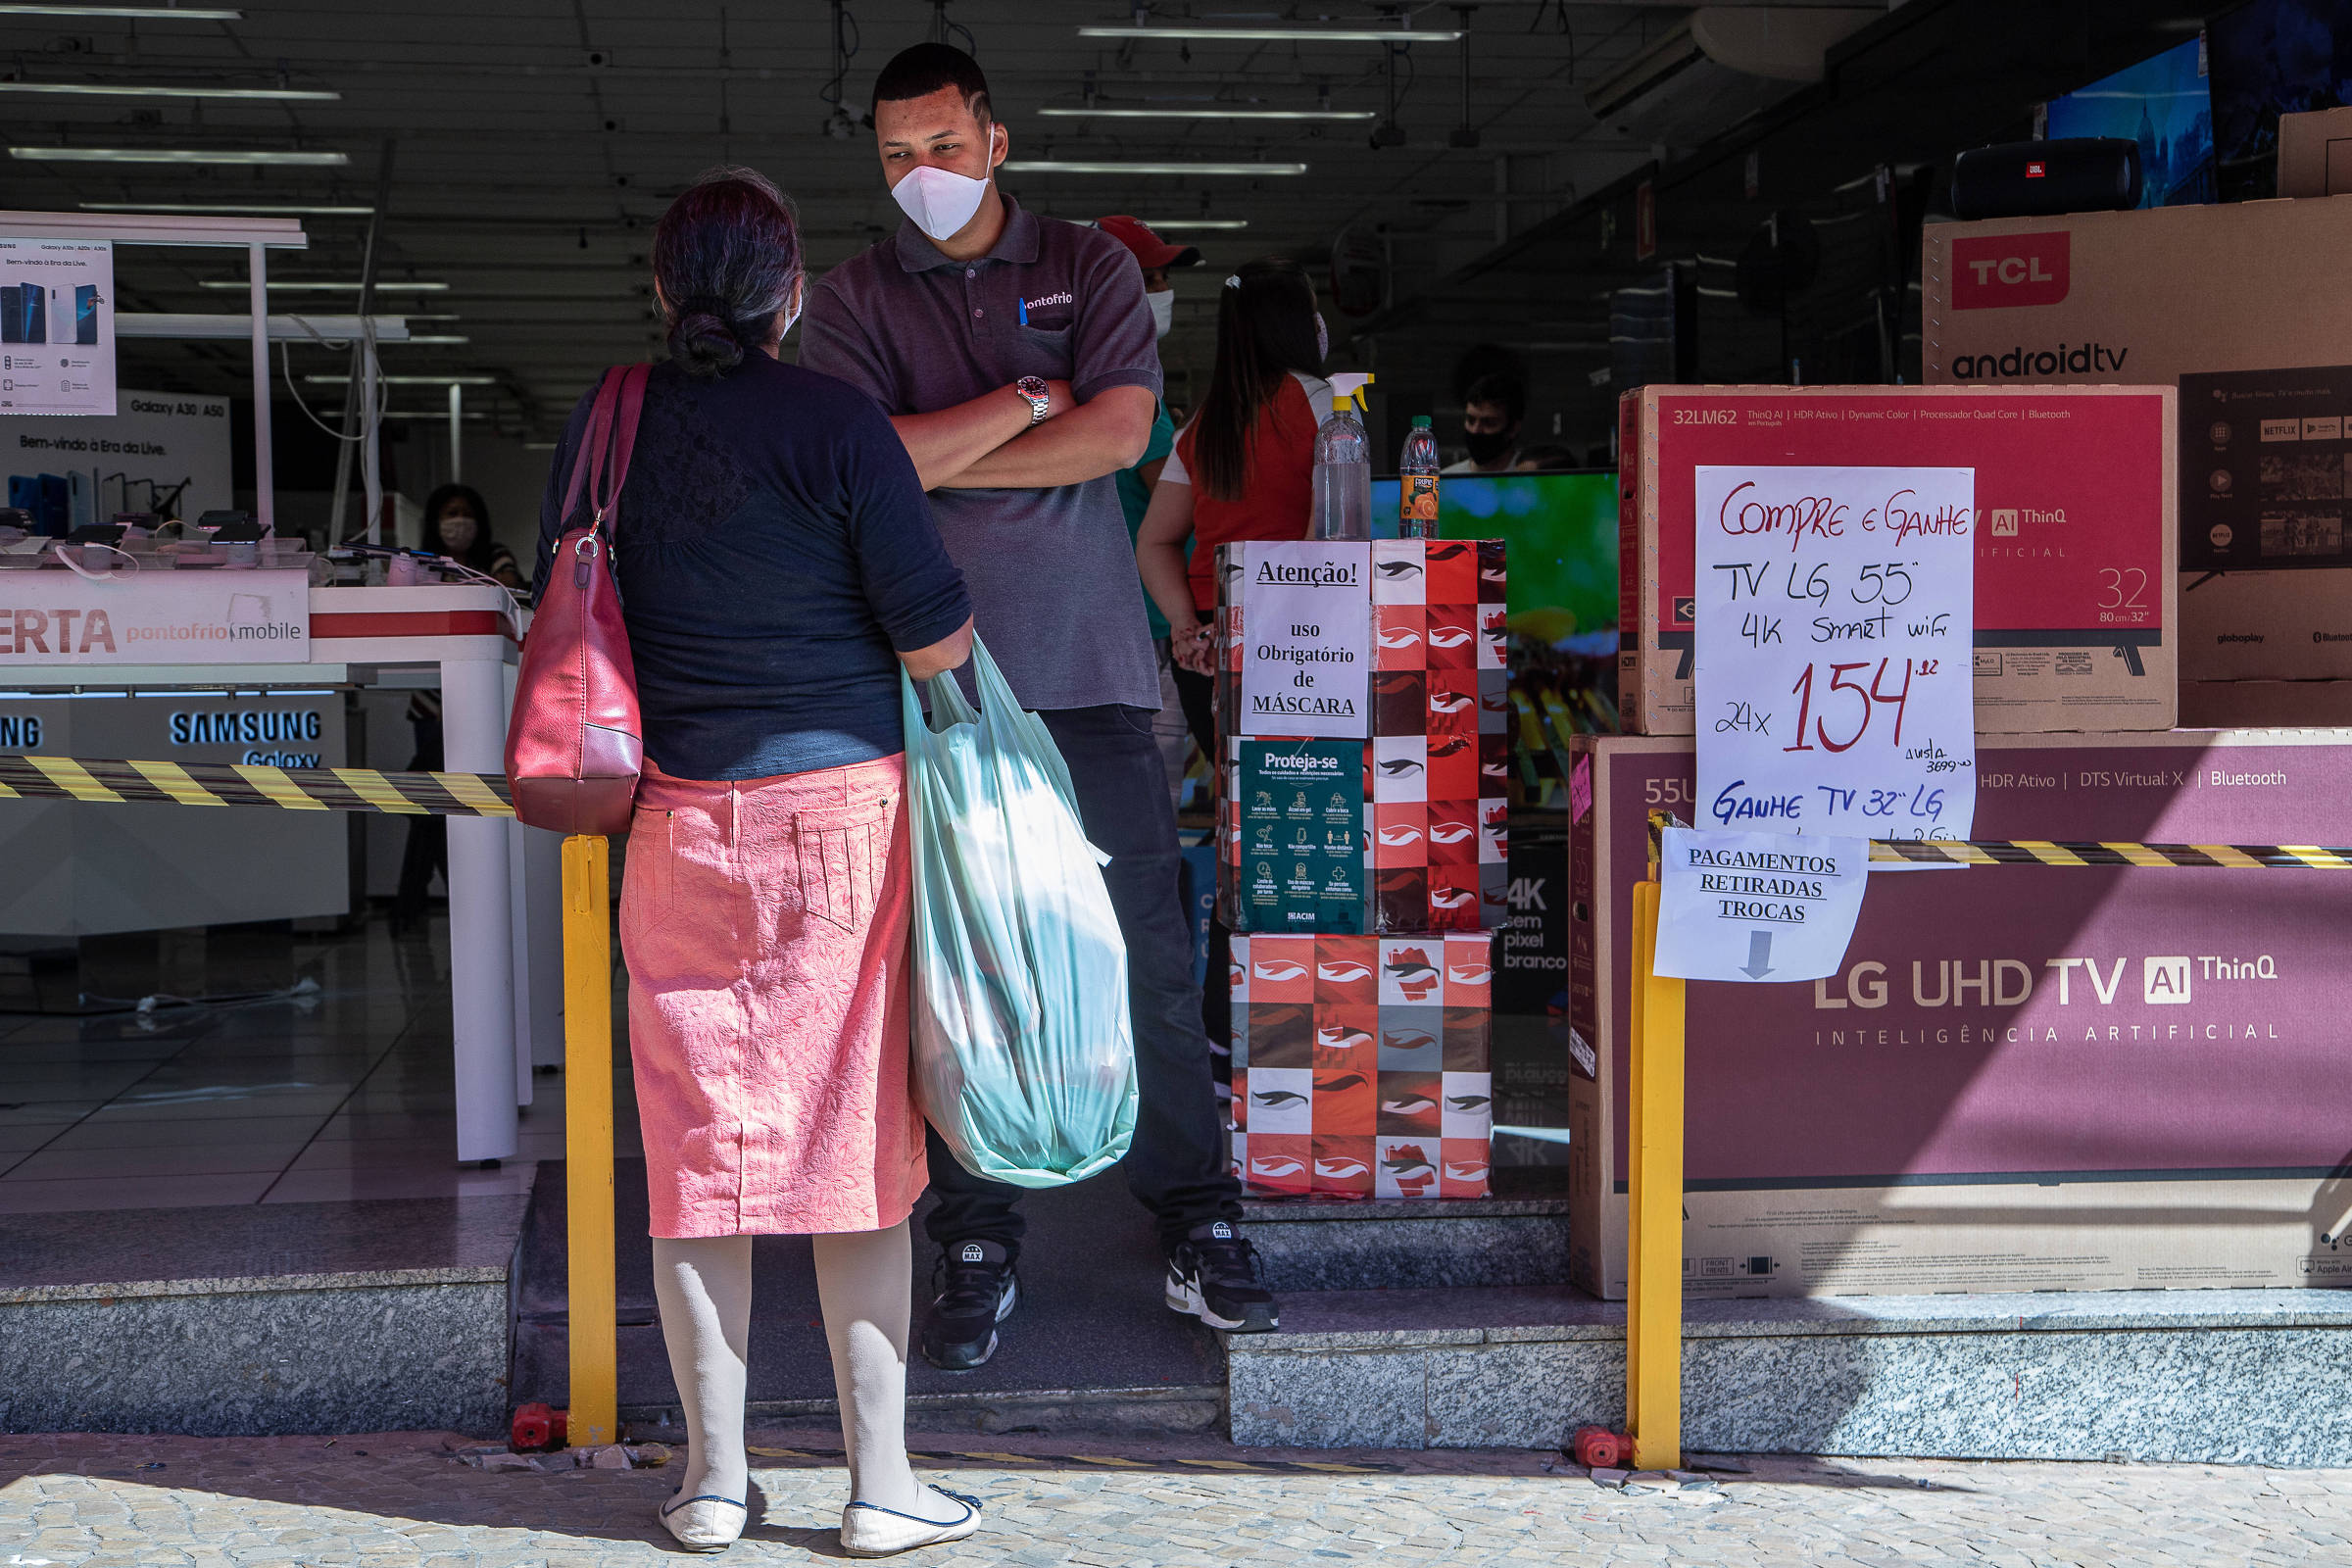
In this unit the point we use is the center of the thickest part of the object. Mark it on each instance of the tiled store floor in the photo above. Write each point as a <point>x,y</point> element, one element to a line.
<point>335,1093</point>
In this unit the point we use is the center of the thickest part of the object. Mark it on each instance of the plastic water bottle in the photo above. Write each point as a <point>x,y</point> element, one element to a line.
<point>1418,499</point>
<point>1342,467</point>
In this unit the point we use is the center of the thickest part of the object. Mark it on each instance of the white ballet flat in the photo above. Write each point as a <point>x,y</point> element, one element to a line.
<point>870,1531</point>
<point>705,1523</point>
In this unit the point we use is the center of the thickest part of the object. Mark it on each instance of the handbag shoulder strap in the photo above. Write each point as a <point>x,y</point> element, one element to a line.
<point>606,443</point>
<point>592,442</point>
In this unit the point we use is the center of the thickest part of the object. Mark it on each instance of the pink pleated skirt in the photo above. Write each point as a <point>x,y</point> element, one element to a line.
<point>764,922</point>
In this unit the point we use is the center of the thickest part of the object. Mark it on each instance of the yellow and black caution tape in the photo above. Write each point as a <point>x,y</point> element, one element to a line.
<point>365,789</point>
<point>292,789</point>
<point>1102,1461</point>
<point>2038,852</point>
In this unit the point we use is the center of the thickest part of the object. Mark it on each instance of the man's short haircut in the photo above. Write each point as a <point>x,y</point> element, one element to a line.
<point>1507,392</point>
<point>921,69</point>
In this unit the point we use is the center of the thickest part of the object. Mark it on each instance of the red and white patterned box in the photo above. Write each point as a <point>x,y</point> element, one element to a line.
<point>1361,1064</point>
<point>1439,753</point>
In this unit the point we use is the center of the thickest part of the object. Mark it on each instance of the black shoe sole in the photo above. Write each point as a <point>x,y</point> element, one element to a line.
<point>961,1358</point>
<point>1257,1317</point>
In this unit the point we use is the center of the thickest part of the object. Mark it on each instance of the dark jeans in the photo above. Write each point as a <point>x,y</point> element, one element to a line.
<point>1176,1167</point>
<point>1199,694</point>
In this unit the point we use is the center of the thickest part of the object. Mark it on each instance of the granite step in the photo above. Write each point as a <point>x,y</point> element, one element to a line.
<point>2223,1375</point>
<point>1518,1237</point>
<point>259,1319</point>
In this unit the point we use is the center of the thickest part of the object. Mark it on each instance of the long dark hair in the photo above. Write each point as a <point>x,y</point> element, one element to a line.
<point>1265,330</point>
<point>477,554</point>
<point>727,256</point>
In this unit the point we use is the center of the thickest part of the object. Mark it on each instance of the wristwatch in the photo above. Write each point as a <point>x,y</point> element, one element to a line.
<point>1040,400</point>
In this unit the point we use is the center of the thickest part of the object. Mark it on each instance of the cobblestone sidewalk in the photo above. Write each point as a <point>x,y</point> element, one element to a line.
<point>388,1500</point>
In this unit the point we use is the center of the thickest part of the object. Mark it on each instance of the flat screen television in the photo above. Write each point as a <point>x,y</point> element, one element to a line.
<point>2165,104</point>
<point>1561,530</point>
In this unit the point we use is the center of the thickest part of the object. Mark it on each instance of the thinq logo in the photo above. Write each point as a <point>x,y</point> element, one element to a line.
<point>2010,270</point>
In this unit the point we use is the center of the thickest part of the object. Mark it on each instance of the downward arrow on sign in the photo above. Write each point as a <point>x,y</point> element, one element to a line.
<point>1759,955</point>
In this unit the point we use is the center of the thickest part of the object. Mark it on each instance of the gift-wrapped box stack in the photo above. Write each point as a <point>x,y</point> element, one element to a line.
<point>1362,863</point>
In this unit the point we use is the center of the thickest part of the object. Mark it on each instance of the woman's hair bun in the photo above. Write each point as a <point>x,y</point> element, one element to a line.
<point>727,256</point>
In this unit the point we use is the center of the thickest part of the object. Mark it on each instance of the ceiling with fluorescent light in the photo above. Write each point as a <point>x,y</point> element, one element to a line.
<point>526,147</point>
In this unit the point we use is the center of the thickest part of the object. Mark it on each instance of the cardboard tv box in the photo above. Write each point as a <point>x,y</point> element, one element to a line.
<point>2074,549</point>
<point>2266,704</point>
<point>1361,1065</point>
<point>2315,152</point>
<point>2147,298</point>
<point>2021,1077</point>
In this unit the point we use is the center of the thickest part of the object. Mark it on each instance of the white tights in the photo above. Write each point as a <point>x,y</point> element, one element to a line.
<point>862,1279</point>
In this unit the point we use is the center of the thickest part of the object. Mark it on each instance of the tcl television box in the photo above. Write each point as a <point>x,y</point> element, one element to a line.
<point>1361,1065</point>
<point>2020,1077</point>
<point>2148,298</point>
<point>2075,534</point>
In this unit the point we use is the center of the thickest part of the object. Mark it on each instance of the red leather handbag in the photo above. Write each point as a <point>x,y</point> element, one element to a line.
<point>575,743</point>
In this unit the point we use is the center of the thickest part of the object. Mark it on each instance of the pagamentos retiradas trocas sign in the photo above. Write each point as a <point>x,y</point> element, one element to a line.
<point>1305,612</point>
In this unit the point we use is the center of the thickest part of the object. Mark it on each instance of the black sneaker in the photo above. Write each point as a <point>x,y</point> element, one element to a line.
<point>975,1289</point>
<point>1212,1275</point>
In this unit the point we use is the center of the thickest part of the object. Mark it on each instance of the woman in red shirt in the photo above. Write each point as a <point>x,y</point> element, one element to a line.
<point>1242,468</point>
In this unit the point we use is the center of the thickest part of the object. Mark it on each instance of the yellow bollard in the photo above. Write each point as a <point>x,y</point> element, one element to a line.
<point>595,1412</point>
<point>1654,1309</point>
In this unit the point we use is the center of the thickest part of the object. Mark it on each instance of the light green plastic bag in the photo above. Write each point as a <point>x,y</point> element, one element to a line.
<point>1024,1058</point>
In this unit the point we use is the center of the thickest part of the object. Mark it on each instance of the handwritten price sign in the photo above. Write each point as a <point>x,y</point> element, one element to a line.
<point>1836,612</point>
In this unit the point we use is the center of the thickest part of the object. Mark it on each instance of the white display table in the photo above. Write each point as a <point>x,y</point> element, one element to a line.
<point>506,957</point>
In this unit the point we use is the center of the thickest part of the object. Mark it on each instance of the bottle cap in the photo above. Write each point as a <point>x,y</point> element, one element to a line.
<point>1420,421</point>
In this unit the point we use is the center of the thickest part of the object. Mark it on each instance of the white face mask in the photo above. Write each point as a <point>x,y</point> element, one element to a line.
<point>938,200</point>
<point>1163,311</point>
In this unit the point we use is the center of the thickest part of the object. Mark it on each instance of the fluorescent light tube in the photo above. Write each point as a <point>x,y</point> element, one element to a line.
<point>1059,166</point>
<point>126,13</point>
<point>175,155</point>
<point>248,209</point>
<point>409,380</point>
<point>1178,224</point>
<point>310,285</point>
<point>100,89</point>
<point>1059,113</point>
<point>1279,35</point>
<point>436,337</point>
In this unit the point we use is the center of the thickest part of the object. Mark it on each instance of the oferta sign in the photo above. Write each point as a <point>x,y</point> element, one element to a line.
<point>1305,612</point>
<point>216,617</point>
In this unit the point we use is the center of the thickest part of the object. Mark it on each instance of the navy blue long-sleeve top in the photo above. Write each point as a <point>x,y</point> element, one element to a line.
<point>775,552</point>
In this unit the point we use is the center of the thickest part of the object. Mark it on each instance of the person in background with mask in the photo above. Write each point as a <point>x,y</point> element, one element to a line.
<point>1493,409</point>
<point>457,524</point>
<point>1015,355</point>
<point>1156,257</point>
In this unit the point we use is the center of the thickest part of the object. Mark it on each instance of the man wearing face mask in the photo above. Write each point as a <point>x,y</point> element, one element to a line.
<point>1492,410</point>
<point>1015,356</point>
<point>1157,257</point>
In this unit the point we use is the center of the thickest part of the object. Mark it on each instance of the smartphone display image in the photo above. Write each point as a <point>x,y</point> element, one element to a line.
<point>85,314</point>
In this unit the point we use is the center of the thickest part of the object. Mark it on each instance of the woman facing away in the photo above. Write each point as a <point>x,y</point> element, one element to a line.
<point>778,567</point>
<point>1242,468</point>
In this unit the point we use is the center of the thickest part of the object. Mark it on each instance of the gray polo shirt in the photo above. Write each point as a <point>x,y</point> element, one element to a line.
<point>1050,572</point>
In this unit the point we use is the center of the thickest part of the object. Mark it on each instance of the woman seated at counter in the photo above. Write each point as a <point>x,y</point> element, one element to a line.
<point>1244,466</point>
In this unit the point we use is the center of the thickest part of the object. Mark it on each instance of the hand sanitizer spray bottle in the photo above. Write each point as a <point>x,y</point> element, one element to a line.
<point>1342,507</point>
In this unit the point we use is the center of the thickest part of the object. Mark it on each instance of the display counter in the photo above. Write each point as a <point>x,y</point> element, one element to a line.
<point>218,652</point>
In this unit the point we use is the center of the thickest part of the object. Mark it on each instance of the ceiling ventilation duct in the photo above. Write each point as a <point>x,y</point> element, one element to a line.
<point>1719,65</point>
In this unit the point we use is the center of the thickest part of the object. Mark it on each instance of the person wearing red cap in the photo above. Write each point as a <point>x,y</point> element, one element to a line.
<point>1157,257</point>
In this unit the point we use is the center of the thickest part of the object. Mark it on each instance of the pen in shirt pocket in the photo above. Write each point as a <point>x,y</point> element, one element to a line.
<point>1024,313</point>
